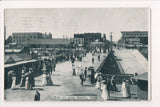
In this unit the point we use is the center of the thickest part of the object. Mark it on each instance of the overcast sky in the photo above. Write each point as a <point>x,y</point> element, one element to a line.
<point>67,21</point>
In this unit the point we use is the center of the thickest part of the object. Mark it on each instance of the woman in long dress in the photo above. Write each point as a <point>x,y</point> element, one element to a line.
<point>12,79</point>
<point>44,79</point>
<point>27,84</point>
<point>104,95</point>
<point>99,79</point>
<point>13,83</point>
<point>125,89</point>
<point>97,84</point>
<point>13,75</point>
<point>44,75</point>
<point>22,83</point>
<point>31,78</point>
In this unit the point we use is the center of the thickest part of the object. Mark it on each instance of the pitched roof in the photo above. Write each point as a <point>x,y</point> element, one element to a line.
<point>12,58</point>
<point>8,59</point>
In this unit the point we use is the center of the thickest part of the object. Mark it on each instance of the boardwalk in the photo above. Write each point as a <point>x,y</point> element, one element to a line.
<point>67,87</point>
<point>65,84</point>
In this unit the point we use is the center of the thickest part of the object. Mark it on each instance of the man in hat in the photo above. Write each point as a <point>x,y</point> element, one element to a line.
<point>113,83</point>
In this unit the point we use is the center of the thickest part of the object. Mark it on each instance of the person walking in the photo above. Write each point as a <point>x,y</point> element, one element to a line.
<point>104,95</point>
<point>73,59</point>
<point>29,83</point>
<point>22,82</point>
<point>98,82</point>
<point>44,75</point>
<point>85,73</point>
<point>37,96</point>
<point>74,70</point>
<point>13,75</point>
<point>31,78</point>
<point>92,76</point>
<point>113,83</point>
<point>125,89</point>
<point>109,86</point>
<point>48,66</point>
<point>92,59</point>
<point>54,66</point>
<point>99,79</point>
<point>98,57</point>
<point>81,75</point>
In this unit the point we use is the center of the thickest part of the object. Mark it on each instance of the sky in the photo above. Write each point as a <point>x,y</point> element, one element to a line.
<point>67,21</point>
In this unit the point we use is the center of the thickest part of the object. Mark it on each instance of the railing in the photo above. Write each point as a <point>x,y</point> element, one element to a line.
<point>119,77</point>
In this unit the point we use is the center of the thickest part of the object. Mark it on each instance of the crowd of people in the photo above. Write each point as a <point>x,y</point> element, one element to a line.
<point>110,82</point>
<point>110,85</point>
<point>47,66</point>
<point>27,74</point>
<point>86,73</point>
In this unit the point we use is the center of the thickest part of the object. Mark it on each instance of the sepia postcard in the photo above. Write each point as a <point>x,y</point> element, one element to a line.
<point>77,54</point>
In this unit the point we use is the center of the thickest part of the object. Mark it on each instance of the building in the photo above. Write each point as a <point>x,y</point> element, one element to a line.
<point>47,36</point>
<point>47,43</point>
<point>24,36</point>
<point>136,38</point>
<point>77,41</point>
<point>89,37</point>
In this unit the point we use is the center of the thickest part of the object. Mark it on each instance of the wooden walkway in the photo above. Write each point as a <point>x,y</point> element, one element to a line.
<point>66,86</point>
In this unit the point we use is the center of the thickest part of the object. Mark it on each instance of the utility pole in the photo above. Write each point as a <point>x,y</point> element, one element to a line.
<point>111,41</point>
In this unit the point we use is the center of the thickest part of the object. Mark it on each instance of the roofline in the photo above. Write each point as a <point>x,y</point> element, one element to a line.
<point>132,31</point>
<point>26,32</point>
